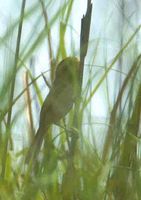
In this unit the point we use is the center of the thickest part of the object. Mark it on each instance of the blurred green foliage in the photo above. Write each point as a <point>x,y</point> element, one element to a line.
<point>107,168</point>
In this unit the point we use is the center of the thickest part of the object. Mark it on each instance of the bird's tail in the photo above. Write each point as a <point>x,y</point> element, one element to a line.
<point>35,147</point>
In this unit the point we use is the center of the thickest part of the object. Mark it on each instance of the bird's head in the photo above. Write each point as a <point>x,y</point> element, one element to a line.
<point>68,70</point>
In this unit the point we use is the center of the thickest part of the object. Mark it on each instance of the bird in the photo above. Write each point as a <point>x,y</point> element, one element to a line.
<point>58,102</point>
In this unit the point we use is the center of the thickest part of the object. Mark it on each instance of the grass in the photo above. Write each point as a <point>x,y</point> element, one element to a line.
<point>85,162</point>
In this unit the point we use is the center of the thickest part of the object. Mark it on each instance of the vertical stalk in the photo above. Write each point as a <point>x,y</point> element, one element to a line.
<point>12,88</point>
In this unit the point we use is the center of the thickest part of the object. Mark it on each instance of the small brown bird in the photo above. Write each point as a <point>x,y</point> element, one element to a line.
<point>59,101</point>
